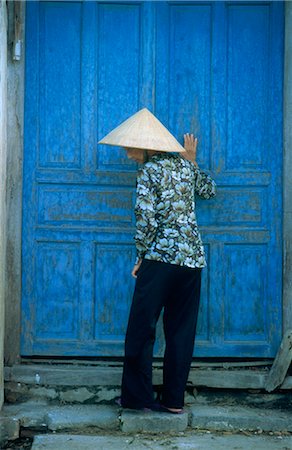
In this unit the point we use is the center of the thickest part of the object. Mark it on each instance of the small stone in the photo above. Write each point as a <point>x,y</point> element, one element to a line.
<point>9,429</point>
<point>43,392</point>
<point>108,395</point>
<point>189,398</point>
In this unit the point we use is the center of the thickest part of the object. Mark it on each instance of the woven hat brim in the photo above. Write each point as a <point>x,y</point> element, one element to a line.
<point>143,131</point>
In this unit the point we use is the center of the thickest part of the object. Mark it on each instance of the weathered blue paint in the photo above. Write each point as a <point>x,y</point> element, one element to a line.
<point>213,68</point>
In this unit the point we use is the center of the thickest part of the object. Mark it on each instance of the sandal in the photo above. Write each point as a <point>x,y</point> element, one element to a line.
<point>169,410</point>
<point>118,401</point>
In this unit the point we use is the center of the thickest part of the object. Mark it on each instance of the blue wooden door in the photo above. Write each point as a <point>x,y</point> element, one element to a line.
<point>212,68</point>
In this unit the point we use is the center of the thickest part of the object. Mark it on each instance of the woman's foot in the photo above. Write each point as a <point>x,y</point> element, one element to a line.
<point>118,401</point>
<point>155,407</point>
<point>172,410</point>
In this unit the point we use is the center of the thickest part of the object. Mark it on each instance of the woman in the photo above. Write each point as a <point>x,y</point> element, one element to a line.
<point>170,258</point>
<point>168,270</point>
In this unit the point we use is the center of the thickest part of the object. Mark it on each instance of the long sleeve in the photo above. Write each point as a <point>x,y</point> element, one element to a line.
<point>146,224</point>
<point>205,186</point>
<point>166,225</point>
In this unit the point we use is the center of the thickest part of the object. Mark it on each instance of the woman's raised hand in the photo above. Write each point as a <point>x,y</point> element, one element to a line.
<point>190,146</point>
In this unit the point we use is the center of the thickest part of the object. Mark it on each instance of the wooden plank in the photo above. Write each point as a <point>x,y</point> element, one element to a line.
<point>14,196</point>
<point>66,375</point>
<point>281,363</point>
<point>111,376</point>
<point>235,379</point>
<point>156,363</point>
<point>231,364</point>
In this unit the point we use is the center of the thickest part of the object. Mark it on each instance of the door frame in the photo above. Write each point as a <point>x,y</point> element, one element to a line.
<point>15,182</point>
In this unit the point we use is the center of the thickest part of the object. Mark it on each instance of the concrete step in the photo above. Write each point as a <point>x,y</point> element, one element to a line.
<point>96,418</point>
<point>152,422</point>
<point>224,418</point>
<point>188,441</point>
<point>80,417</point>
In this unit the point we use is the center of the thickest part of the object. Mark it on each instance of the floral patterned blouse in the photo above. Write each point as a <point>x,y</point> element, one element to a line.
<point>166,225</point>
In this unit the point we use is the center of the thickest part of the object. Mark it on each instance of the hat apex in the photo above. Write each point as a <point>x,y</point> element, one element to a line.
<point>143,131</point>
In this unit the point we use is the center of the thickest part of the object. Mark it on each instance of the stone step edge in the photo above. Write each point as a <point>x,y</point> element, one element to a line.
<point>199,417</point>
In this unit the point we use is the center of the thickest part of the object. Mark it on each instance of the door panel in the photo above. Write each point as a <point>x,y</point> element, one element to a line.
<point>212,68</point>
<point>220,81</point>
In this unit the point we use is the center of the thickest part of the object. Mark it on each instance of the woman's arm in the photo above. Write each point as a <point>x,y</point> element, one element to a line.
<point>145,208</point>
<point>205,186</point>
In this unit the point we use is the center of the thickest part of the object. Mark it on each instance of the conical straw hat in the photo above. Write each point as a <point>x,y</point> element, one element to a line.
<point>144,131</point>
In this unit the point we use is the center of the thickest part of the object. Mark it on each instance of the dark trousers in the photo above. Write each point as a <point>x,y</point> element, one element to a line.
<point>177,289</point>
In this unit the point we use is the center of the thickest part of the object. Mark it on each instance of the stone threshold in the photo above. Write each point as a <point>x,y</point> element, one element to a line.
<point>228,377</point>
